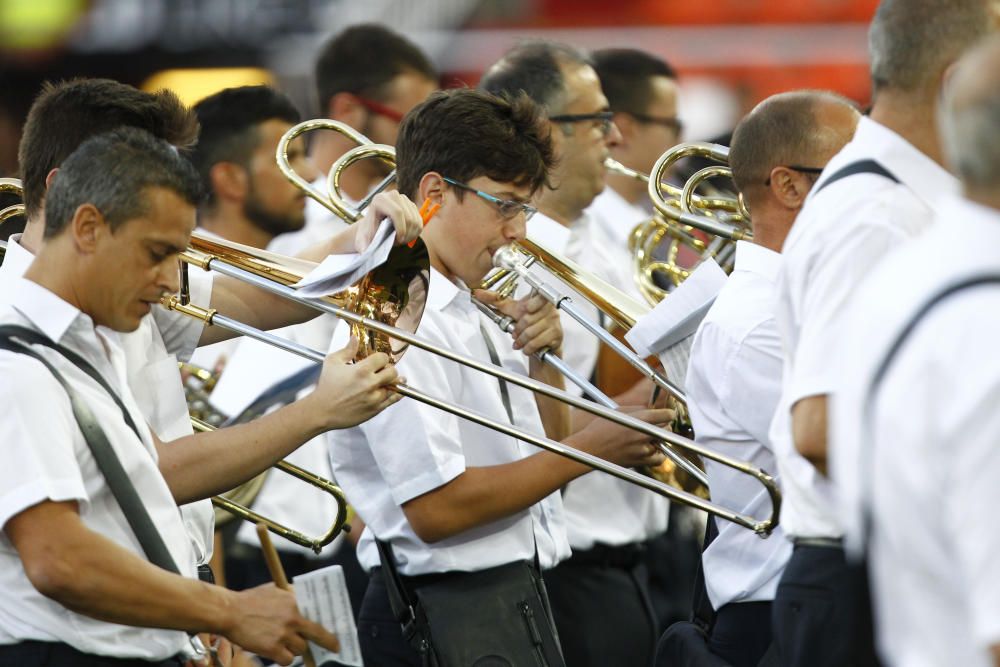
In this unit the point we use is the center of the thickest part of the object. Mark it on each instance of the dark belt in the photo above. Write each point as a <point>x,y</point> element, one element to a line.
<point>33,653</point>
<point>624,557</point>
<point>419,580</point>
<point>822,542</point>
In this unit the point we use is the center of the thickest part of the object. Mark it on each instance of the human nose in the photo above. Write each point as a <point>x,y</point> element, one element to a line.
<point>517,227</point>
<point>168,278</point>
<point>613,136</point>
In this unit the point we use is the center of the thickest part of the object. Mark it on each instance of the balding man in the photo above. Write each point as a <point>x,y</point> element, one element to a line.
<point>917,407</point>
<point>734,375</point>
<point>879,191</point>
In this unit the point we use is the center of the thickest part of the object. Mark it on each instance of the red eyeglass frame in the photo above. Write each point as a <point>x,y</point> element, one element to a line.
<point>379,108</point>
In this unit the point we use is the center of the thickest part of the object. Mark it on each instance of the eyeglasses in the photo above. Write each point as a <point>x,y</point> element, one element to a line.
<point>673,123</point>
<point>603,118</point>
<point>803,170</point>
<point>379,109</point>
<point>508,207</point>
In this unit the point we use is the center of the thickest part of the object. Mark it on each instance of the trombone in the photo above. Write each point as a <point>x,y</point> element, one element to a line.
<point>265,271</point>
<point>13,186</point>
<point>334,202</point>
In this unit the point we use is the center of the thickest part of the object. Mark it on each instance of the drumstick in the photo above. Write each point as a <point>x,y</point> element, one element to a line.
<point>278,574</point>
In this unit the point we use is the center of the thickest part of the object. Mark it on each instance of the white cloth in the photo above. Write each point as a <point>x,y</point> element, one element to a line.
<point>320,225</point>
<point>151,355</point>
<point>47,459</point>
<point>600,509</point>
<point>733,385</point>
<point>843,231</point>
<point>930,463</point>
<point>613,221</point>
<point>410,449</point>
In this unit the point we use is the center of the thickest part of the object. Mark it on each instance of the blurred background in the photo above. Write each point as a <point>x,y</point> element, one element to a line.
<point>729,53</point>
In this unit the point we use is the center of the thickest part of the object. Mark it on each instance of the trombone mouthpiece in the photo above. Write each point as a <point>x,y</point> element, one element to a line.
<point>506,257</point>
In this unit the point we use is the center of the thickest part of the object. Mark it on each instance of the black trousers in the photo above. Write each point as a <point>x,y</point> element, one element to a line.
<point>600,602</point>
<point>381,638</point>
<point>741,634</point>
<point>52,654</point>
<point>814,616</point>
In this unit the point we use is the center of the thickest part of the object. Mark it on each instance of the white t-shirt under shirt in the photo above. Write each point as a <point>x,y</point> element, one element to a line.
<point>47,459</point>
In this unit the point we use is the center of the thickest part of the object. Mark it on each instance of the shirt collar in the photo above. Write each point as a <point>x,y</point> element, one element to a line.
<point>922,175</point>
<point>757,259</point>
<point>441,291</point>
<point>47,311</point>
<point>17,259</point>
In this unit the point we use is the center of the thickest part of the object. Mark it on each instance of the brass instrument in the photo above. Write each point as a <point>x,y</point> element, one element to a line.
<point>269,272</point>
<point>236,504</point>
<point>11,185</point>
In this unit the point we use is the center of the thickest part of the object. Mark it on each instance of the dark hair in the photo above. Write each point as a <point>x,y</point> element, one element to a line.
<point>67,113</point>
<point>364,59</point>
<point>466,133</point>
<point>230,121</point>
<point>534,69</point>
<point>626,77</point>
<point>782,130</point>
<point>911,42</point>
<point>112,171</point>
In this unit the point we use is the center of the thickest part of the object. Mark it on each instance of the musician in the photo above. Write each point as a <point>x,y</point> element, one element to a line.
<point>734,375</point>
<point>465,509</point>
<point>367,77</point>
<point>607,537</point>
<point>250,201</point>
<point>65,114</point>
<point>78,588</point>
<point>848,224</point>
<point>926,478</point>
<point>642,92</point>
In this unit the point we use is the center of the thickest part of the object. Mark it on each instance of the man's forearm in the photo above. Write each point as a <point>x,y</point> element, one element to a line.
<point>554,413</point>
<point>205,464</point>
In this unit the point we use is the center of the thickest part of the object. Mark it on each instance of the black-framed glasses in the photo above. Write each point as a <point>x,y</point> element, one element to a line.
<point>802,170</point>
<point>509,208</point>
<point>603,118</point>
<point>672,123</point>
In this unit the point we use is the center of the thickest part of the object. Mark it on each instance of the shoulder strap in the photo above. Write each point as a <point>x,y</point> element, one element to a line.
<point>16,339</point>
<point>859,167</point>
<point>867,444</point>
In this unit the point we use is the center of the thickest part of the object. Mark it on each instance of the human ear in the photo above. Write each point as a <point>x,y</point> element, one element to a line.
<point>87,226</point>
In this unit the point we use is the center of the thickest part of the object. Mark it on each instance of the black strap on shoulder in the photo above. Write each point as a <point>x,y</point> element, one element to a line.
<point>867,444</point>
<point>17,339</point>
<point>859,167</point>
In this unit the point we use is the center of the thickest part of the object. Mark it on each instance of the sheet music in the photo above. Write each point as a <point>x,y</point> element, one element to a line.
<point>338,272</point>
<point>678,316</point>
<point>322,597</point>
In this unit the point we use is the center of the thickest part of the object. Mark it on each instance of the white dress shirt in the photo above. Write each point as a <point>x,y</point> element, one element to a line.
<point>600,509</point>
<point>614,218</point>
<point>151,355</point>
<point>48,460</point>
<point>733,385</point>
<point>928,464</point>
<point>410,449</point>
<point>843,231</point>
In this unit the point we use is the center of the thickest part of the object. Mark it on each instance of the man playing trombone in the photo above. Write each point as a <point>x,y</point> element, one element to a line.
<point>96,560</point>
<point>463,515</point>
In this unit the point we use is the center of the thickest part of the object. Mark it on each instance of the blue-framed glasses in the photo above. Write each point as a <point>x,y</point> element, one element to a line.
<point>508,208</point>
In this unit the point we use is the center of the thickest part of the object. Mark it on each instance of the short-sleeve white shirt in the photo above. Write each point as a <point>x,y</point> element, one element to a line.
<point>927,460</point>
<point>626,513</point>
<point>733,385</point>
<point>410,449</point>
<point>47,459</point>
<point>151,355</point>
<point>842,232</point>
<point>614,218</point>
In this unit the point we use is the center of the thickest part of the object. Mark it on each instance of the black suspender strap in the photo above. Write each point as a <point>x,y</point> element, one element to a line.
<point>867,443</point>
<point>495,358</point>
<point>16,339</point>
<point>859,167</point>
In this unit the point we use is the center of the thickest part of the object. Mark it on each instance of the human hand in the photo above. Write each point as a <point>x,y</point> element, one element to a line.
<point>623,445</point>
<point>268,623</point>
<point>402,212</point>
<point>537,325</point>
<point>348,394</point>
